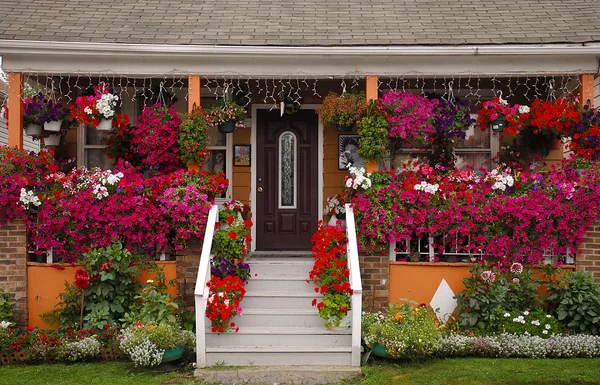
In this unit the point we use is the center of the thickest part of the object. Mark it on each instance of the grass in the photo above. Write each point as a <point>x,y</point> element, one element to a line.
<point>466,371</point>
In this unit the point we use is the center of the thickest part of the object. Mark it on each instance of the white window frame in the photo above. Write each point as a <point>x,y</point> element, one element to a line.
<point>82,147</point>
<point>295,170</point>
<point>228,147</point>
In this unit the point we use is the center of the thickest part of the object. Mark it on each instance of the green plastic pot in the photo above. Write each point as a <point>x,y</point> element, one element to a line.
<point>227,127</point>
<point>499,124</point>
<point>172,355</point>
<point>380,351</point>
<point>343,128</point>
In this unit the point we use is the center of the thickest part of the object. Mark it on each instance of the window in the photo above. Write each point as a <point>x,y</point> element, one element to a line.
<point>220,156</point>
<point>287,170</point>
<point>93,152</point>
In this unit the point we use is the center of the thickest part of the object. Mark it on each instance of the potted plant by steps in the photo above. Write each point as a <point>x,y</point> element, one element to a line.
<point>335,310</point>
<point>96,110</point>
<point>225,295</point>
<point>336,210</point>
<point>152,344</point>
<point>193,138</point>
<point>34,107</point>
<point>342,111</point>
<point>227,116</point>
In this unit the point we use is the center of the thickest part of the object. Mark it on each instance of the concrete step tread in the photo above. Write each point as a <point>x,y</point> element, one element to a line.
<point>251,293</point>
<point>279,261</point>
<point>278,277</point>
<point>277,349</point>
<point>290,331</point>
<point>298,312</point>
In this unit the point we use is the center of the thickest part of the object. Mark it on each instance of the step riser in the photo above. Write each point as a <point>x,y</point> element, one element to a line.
<point>277,358</point>
<point>279,270</point>
<point>279,285</point>
<point>310,340</point>
<point>280,320</point>
<point>250,302</point>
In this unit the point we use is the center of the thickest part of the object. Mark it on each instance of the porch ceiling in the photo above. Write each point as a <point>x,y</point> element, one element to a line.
<point>302,22</point>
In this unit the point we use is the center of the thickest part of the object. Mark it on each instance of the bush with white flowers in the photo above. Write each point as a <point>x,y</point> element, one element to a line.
<point>83,350</point>
<point>358,179</point>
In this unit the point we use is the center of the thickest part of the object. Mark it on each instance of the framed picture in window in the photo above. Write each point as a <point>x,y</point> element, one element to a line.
<point>241,155</point>
<point>348,152</point>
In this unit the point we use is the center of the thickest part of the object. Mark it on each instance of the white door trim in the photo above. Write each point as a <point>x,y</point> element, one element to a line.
<point>253,152</point>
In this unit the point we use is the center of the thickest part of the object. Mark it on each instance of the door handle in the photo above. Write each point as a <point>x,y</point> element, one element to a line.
<point>260,189</point>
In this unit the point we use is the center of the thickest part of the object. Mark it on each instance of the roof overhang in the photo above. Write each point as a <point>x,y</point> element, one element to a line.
<point>274,61</point>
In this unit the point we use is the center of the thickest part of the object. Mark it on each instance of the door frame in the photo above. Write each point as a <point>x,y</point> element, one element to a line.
<point>253,165</point>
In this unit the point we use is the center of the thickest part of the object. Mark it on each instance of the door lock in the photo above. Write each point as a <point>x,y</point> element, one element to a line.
<point>260,189</point>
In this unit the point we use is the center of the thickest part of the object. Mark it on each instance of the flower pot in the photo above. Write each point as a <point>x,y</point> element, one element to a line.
<point>380,351</point>
<point>345,322</point>
<point>105,125</point>
<point>52,140</point>
<point>34,130</point>
<point>227,127</point>
<point>343,127</point>
<point>332,220</point>
<point>172,355</point>
<point>499,124</point>
<point>53,126</point>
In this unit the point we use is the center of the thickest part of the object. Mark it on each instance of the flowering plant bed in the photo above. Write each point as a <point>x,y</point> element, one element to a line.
<point>91,110</point>
<point>342,110</point>
<point>146,344</point>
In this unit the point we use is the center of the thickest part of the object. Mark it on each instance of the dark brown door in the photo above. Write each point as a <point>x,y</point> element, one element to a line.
<point>286,180</point>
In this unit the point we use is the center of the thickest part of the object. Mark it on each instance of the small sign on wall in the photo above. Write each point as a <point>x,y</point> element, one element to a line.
<point>241,155</point>
<point>348,152</point>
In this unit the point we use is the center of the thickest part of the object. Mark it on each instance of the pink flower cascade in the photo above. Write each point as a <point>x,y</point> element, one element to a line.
<point>155,138</point>
<point>411,117</point>
<point>507,215</point>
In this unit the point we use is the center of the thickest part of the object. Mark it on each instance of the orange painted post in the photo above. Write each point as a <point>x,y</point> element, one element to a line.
<point>587,89</point>
<point>372,94</point>
<point>15,110</point>
<point>193,101</point>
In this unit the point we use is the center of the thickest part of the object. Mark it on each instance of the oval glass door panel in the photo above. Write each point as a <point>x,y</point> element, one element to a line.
<point>287,170</point>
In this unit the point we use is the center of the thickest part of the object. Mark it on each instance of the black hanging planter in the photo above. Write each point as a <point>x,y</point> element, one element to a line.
<point>227,127</point>
<point>499,124</point>
<point>343,128</point>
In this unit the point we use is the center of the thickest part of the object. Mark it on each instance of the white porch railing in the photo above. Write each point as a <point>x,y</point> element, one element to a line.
<point>201,291</point>
<point>355,284</point>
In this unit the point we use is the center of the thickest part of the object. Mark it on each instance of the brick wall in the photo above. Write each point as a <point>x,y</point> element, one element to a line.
<point>375,274</point>
<point>13,267</point>
<point>187,271</point>
<point>588,253</point>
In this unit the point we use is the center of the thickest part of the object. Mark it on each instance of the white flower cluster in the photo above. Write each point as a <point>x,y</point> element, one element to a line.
<point>105,178</point>
<point>28,197</point>
<point>334,206</point>
<point>5,324</point>
<point>427,187</point>
<point>85,349</point>
<point>100,192</point>
<point>524,109</point>
<point>106,105</point>
<point>145,354</point>
<point>502,180</point>
<point>220,295</point>
<point>358,179</point>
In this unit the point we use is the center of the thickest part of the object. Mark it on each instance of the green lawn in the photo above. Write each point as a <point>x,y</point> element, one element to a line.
<point>468,371</point>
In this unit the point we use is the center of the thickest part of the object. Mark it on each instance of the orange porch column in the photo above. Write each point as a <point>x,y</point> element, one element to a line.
<point>587,89</point>
<point>193,100</point>
<point>15,110</point>
<point>372,94</point>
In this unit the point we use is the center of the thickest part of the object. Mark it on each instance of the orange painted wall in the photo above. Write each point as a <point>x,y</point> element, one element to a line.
<point>333,179</point>
<point>419,281</point>
<point>241,175</point>
<point>45,283</point>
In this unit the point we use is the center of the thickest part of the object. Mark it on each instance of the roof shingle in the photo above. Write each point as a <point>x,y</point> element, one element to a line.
<point>302,22</point>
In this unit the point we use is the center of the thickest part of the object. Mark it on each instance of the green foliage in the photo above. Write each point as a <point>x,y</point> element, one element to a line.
<point>480,303</point>
<point>153,304</point>
<point>574,299</point>
<point>164,336</point>
<point>66,313</point>
<point>344,110</point>
<point>335,307</point>
<point>193,137</point>
<point>6,307</point>
<point>536,323</point>
<point>374,141</point>
<point>230,241</point>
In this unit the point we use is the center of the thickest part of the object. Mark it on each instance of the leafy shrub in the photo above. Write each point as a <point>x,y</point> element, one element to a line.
<point>6,307</point>
<point>536,323</point>
<point>145,344</point>
<point>575,301</point>
<point>83,350</point>
<point>374,137</point>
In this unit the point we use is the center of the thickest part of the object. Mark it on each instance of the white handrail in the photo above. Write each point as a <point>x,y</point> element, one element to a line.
<point>355,284</point>
<point>201,290</point>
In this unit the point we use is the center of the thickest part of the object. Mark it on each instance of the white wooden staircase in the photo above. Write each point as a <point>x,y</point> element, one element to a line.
<point>278,326</point>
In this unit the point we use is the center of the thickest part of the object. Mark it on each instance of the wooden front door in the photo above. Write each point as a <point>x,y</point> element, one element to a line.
<point>286,180</point>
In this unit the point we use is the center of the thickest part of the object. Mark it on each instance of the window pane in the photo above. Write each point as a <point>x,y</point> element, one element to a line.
<point>216,138</point>
<point>217,162</point>
<point>95,137</point>
<point>97,158</point>
<point>475,138</point>
<point>409,157</point>
<point>287,172</point>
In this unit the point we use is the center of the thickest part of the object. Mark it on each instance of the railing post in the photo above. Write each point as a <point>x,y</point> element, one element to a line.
<point>355,284</point>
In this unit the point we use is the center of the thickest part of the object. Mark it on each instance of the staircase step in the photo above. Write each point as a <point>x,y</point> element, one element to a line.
<point>271,284</point>
<point>280,267</point>
<point>280,318</point>
<point>281,337</point>
<point>282,355</point>
<point>279,300</point>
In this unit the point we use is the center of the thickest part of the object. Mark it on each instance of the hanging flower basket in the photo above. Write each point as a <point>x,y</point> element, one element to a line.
<point>34,130</point>
<point>53,126</point>
<point>227,127</point>
<point>105,125</point>
<point>344,127</point>
<point>499,124</point>
<point>52,140</point>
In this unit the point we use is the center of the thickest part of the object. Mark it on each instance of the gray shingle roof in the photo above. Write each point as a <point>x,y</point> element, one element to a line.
<point>302,22</point>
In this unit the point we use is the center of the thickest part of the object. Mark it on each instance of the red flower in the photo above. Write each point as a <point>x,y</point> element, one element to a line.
<point>82,279</point>
<point>248,223</point>
<point>232,235</point>
<point>229,220</point>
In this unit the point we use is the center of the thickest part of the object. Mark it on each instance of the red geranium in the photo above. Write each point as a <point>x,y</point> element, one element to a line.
<point>82,279</point>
